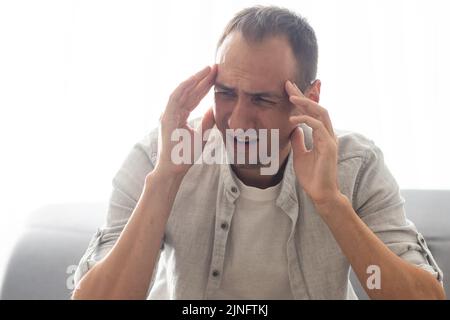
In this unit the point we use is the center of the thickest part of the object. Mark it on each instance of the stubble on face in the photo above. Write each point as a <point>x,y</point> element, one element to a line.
<point>255,67</point>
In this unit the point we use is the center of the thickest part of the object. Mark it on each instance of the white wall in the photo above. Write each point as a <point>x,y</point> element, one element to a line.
<point>82,81</point>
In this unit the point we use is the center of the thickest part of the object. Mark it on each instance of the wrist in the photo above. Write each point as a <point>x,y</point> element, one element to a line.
<point>163,179</point>
<point>333,205</point>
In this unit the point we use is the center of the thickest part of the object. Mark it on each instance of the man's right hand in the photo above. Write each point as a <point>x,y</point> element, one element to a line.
<point>182,101</point>
<point>126,271</point>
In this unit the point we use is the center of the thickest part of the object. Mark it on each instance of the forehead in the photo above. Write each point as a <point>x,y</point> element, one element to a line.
<point>256,66</point>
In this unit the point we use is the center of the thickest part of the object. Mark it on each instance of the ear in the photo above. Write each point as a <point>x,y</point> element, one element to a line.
<point>313,92</point>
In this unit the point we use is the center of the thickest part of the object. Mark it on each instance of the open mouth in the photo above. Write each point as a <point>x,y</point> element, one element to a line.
<point>243,139</point>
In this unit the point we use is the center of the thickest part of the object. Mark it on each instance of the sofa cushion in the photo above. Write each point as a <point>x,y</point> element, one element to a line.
<point>430,212</point>
<point>55,237</point>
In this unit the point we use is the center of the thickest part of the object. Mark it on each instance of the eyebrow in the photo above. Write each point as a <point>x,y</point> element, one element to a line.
<point>267,94</point>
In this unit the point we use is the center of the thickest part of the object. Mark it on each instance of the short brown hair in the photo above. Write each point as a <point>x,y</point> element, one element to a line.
<point>258,22</point>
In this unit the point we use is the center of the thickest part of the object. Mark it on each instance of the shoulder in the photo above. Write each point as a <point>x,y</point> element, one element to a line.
<point>363,174</point>
<point>148,144</point>
<point>355,145</point>
<point>361,164</point>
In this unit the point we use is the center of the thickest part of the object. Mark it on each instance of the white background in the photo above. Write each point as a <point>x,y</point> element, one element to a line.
<point>82,81</point>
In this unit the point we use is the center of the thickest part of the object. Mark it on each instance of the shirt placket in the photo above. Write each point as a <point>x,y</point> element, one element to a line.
<point>224,214</point>
<point>291,208</point>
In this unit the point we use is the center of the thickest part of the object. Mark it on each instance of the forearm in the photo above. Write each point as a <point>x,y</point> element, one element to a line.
<point>126,272</point>
<point>399,279</point>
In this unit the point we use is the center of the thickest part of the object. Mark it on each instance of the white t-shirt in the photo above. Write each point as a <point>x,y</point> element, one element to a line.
<point>259,232</point>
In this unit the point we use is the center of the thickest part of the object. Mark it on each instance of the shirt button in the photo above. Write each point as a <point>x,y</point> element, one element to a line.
<point>233,189</point>
<point>215,273</point>
<point>224,225</point>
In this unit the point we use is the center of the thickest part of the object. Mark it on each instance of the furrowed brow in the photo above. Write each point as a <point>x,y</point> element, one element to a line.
<point>262,94</point>
<point>223,87</point>
<point>265,95</point>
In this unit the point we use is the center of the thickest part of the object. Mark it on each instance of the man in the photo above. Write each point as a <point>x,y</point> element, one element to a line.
<point>226,231</point>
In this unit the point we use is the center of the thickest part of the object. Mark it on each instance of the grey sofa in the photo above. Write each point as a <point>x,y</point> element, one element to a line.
<point>45,256</point>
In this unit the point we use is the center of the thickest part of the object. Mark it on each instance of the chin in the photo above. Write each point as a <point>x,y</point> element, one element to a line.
<point>247,166</point>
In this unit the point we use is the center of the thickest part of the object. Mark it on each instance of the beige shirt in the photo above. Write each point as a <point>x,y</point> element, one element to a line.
<point>258,231</point>
<point>193,259</point>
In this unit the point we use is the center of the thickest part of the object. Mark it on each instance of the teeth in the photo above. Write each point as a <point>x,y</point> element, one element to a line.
<point>242,138</point>
<point>245,139</point>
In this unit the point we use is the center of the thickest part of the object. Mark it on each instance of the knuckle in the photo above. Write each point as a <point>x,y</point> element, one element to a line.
<point>188,81</point>
<point>196,98</point>
<point>186,94</point>
<point>174,96</point>
<point>323,111</point>
<point>163,120</point>
<point>322,125</point>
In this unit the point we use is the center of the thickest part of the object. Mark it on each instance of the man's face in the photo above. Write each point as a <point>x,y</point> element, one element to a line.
<point>249,88</point>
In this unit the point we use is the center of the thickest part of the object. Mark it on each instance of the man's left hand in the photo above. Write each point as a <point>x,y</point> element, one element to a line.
<point>316,169</point>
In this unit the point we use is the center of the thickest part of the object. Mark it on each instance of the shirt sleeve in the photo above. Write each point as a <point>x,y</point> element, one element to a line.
<point>127,186</point>
<point>378,202</point>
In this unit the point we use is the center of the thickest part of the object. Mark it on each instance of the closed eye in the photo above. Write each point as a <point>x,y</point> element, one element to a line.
<point>225,93</point>
<point>256,99</point>
<point>263,100</point>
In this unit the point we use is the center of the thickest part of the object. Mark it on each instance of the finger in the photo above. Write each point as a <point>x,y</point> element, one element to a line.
<point>189,83</point>
<point>208,120</point>
<point>292,89</point>
<point>192,96</point>
<point>311,108</point>
<point>194,79</point>
<point>202,73</point>
<point>202,88</point>
<point>306,105</point>
<point>298,141</point>
<point>209,80</point>
<point>207,123</point>
<point>297,97</point>
<point>317,126</point>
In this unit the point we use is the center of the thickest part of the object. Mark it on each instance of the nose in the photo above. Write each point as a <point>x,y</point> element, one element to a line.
<point>242,117</point>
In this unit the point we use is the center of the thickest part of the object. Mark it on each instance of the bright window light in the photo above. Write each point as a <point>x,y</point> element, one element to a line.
<point>82,81</point>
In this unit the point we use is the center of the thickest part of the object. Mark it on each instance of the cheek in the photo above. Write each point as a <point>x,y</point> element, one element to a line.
<point>220,115</point>
<point>287,126</point>
<point>279,120</point>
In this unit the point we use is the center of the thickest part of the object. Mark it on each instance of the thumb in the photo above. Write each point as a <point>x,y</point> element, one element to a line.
<point>206,124</point>
<point>208,120</point>
<point>298,142</point>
